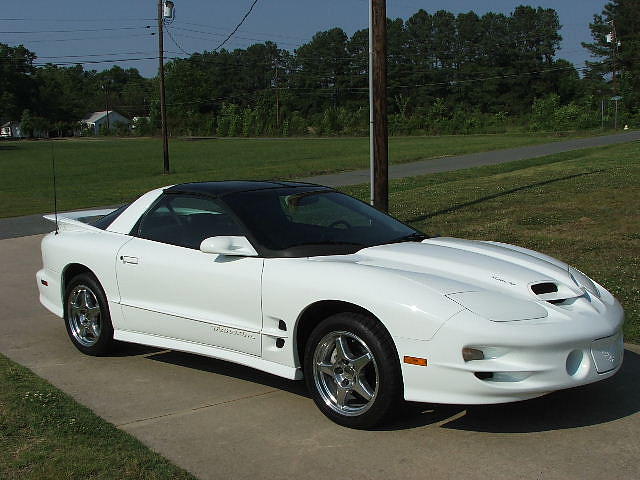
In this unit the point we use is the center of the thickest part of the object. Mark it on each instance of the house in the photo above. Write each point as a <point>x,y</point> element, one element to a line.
<point>11,130</point>
<point>104,119</point>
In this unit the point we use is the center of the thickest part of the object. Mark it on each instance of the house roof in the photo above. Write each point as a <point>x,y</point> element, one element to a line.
<point>95,116</point>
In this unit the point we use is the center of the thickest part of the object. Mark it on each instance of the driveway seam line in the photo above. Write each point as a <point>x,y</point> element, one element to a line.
<point>194,409</point>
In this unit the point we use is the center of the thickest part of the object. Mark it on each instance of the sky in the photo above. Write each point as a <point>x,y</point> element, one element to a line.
<point>115,31</point>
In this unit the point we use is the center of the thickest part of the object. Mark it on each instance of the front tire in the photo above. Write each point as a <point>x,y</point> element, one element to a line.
<point>86,315</point>
<point>352,370</point>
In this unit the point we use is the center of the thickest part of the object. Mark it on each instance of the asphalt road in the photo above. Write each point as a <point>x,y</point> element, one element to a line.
<point>220,420</point>
<point>34,224</point>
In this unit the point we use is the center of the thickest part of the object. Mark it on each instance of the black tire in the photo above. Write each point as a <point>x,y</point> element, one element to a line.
<point>83,316</point>
<point>364,335</point>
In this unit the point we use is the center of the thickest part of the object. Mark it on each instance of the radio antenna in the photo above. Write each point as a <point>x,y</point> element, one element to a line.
<point>55,194</point>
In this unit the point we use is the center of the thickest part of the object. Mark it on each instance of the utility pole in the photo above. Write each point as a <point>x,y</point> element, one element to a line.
<point>163,105</point>
<point>612,38</point>
<point>105,87</point>
<point>379,147</point>
<point>277,99</point>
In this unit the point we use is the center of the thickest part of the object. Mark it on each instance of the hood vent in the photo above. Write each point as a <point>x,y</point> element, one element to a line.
<point>543,288</point>
<point>553,293</point>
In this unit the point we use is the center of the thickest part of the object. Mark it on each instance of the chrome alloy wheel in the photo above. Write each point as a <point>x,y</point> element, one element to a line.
<point>84,315</point>
<point>345,373</point>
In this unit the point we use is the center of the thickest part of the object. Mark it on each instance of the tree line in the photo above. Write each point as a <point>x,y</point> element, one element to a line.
<point>448,73</point>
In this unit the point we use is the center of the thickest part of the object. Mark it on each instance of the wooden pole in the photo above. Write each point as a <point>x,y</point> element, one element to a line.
<point>378,100</point>
<point>163,105</point>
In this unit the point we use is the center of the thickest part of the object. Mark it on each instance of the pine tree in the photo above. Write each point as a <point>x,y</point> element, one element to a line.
<point>616,48</point>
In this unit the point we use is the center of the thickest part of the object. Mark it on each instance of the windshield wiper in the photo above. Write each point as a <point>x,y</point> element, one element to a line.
<point>412,237</point>
<point>326,242</point>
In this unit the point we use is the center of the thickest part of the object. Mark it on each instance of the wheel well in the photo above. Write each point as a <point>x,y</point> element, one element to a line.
<point>317,312</point>
<point>71,271</point>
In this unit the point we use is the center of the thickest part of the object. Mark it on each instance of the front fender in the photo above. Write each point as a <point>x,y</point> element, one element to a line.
<point>406,307</point>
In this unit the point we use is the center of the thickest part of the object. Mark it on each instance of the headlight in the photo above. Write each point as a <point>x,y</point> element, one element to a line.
<point>583,281</point>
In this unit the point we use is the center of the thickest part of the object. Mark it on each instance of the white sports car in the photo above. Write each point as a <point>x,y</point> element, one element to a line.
<point>299,280</point>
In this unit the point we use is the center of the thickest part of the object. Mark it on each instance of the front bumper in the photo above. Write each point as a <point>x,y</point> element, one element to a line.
<point>527,359</point>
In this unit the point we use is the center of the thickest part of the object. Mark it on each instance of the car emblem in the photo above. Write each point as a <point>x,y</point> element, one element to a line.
<point>495,277</point>
<point>609,356</point>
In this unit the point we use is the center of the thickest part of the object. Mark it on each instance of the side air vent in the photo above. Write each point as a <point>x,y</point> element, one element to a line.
<point>543,288</point>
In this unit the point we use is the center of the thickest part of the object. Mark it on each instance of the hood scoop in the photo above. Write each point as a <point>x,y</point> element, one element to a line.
<point>554,293</point>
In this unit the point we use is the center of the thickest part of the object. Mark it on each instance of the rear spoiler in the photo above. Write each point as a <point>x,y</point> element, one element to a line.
<point>79,220</point>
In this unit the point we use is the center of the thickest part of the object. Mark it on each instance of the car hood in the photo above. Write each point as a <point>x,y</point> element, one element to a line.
<point>482,276</point>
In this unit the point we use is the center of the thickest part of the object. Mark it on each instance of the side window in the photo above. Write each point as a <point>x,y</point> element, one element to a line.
<point>186,221</point>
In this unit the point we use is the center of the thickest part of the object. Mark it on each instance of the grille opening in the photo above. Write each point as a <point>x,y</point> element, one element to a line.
<point>484,375</point>
<point>542,288</point>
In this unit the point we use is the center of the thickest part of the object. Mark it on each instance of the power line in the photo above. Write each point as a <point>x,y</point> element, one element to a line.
<point>89,38</point>
<point>247,31</point>
<point>82,20</point>
<point>238,26</point>
<point>73,31</point>
<point>176,43</point>
<point>222,35</point>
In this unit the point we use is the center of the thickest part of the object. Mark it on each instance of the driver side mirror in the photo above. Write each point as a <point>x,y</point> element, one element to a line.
<point>228,245</point>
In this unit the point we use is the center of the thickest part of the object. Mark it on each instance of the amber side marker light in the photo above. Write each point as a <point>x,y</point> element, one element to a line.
<point>422,362</point>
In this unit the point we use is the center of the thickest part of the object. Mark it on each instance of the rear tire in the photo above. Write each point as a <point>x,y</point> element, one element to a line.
<point>86,315</point>
<point>352,370</point>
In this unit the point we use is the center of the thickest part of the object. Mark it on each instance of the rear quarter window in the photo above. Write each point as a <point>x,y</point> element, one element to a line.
<point>104,222</point>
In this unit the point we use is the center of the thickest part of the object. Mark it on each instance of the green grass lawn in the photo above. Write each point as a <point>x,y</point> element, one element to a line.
<point>97,172</point>
<point>581,207</point>
<point>45,435</point>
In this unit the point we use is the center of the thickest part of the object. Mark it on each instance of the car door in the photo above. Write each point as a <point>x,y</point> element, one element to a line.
<point>169,288</point>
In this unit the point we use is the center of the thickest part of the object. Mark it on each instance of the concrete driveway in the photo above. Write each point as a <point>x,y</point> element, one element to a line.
<point>220,420</point>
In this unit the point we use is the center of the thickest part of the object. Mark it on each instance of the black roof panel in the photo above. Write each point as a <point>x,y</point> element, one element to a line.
<point>216,189</point>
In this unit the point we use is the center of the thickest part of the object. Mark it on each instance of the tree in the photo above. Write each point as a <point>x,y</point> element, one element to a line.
<point>619,22</point>
<point>17,85</point>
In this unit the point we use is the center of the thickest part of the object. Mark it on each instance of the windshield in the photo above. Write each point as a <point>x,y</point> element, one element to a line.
<point>309,221</point>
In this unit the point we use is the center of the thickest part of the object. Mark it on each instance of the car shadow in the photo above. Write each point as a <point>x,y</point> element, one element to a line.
<point>228,369</point>
<point>460,206</point>
<point>124,349</point>
<point>612,399</point>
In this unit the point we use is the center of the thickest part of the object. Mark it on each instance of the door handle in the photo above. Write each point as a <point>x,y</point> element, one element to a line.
<point>126,259</point>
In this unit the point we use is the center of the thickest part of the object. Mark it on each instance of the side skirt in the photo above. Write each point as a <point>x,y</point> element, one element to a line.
<point>209,351</point>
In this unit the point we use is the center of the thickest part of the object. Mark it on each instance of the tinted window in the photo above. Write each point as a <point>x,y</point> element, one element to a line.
<point>103,222</point>
<point>316,222</point>
<point>186,221</point>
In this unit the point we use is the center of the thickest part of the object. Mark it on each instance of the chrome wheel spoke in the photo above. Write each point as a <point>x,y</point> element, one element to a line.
<point>362,389</point>
<point>341,396</point>
<point>361,362</point>
<point>342,349</point>
<point>94,329</point>
<point>85,299</point>
<point>326,368</point>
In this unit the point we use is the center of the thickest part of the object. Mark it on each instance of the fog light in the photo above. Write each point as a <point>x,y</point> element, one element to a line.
<point>472,354</point>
